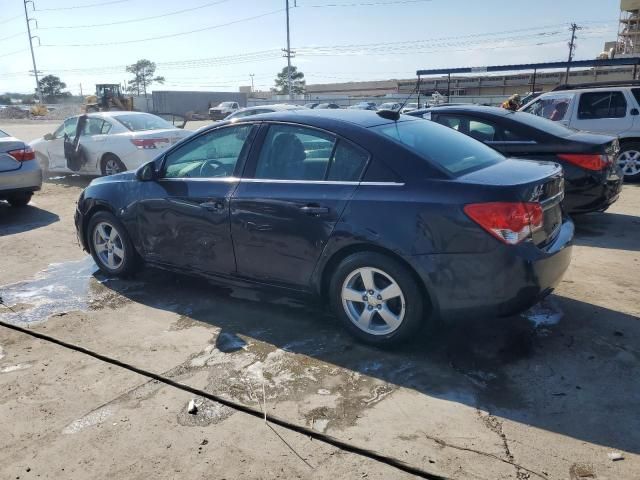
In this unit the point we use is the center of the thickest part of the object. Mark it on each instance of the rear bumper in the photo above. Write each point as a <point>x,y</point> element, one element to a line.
<point>504,281</point>
<point>592,193</point>
<point>27,178</point>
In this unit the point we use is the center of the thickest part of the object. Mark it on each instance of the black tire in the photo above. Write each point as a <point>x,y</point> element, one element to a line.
<point>414,303</point>
<point>130,261</point>
<point>20,199</point>
<point>630,147</point>
<point>110,157</point>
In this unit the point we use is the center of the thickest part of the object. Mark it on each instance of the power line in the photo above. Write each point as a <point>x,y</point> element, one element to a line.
<point>112,2</point>
<point>162,37</point>
<point>140,19</point>
<point>9,19</point>
<point>12,36</point>
<point>367,4</point>
<point>13,53</point>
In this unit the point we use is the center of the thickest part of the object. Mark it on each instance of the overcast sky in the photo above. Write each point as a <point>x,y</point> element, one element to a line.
<point>335,40</point>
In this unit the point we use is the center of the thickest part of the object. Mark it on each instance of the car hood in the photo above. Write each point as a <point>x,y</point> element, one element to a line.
<point>118,177</point>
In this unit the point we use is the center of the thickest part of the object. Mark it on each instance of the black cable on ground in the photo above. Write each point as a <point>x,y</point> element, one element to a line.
<point>347,447</point>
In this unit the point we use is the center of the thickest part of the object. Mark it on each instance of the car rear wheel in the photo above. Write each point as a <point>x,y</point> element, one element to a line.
<point>377,299</point>
<point>112,165</point>
<point>20,199</point>
<point>629,161</point>
<point>110,245</point>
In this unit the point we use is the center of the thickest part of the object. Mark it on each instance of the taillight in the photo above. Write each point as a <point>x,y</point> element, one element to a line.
<point>586,160</point>
<point>508,222</point>
<point>149,143</point>
<point>23,154</point>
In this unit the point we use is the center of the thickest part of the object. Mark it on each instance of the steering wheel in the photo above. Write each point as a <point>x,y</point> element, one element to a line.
<point>210,168</point>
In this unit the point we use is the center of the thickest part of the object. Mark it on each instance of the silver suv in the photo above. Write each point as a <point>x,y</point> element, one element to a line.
<point>612,109</point>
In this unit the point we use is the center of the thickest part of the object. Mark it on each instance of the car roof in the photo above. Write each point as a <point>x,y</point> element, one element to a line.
<point>325,118</point>
<point>466,108</point>
<point>115,114</point>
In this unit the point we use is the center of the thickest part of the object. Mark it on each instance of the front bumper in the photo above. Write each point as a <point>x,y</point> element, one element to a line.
<point>504,281</point>
<point>26,178</point>
<point>217,115</point>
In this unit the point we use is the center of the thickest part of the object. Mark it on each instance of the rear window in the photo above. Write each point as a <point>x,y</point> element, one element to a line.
<point>141,122</point>
<point>455,152</point>
<point>541,123</point>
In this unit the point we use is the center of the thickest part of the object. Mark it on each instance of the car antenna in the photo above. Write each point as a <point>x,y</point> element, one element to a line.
<point>395,114</point>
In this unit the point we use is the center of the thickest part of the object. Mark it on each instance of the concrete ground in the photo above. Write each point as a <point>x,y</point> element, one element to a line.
<point>496,399</point>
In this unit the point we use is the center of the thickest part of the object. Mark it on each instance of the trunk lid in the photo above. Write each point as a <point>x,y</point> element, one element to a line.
<point>526,181</point>
<point>7,162</point>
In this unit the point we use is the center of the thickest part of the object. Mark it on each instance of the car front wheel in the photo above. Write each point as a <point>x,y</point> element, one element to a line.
<point>377,299</point>
<point>110,245</point>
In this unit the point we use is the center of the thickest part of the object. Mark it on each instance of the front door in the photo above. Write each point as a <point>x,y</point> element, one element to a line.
<point>55,147</point>
<point>293,193</point>
<point>183,218</point>
<point>605,111</point>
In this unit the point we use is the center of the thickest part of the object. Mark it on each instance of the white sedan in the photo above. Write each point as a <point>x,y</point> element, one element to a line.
<point>110,142</point>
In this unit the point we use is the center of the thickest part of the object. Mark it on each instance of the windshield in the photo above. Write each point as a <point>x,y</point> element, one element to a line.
<point>226,104</point>
<point>143,121</point>
<point>554,107</point>
<point>389,106</point>
<point>455,152</point>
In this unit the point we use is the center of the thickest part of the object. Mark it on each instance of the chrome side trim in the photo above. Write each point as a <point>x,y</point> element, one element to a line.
<point>264,180</point>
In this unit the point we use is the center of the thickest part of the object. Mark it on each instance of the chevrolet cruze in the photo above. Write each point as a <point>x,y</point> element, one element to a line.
<point>395,222</point>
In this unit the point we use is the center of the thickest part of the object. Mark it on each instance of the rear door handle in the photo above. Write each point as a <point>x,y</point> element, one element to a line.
<point>213,206</point>
<point>315,210</point>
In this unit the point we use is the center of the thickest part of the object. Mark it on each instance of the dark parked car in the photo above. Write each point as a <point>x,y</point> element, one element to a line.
<point>364,106</point>
<point>593,180</point>
<point>393,222</point>
<point>324,106</point>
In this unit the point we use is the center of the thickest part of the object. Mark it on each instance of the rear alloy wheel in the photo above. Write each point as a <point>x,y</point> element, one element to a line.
<point>377,299</point>
<point>629,161</point>
<point>20,199</point>
<point>110,245</point>
<point>112,165</point>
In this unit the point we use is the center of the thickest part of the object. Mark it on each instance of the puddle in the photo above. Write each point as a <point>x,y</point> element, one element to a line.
<point>59,289</point>
<point>547,312</point>
<point>94,418</point>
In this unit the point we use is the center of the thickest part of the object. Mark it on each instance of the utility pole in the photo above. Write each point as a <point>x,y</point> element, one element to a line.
<point>252,75</point>
<point>288,53</point>
<point>572,47</point>
<point>81,89</point>
<point>33,57</point>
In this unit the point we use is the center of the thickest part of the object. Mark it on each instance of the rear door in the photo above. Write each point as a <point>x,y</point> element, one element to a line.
<point>183,217</point>
<point>93,139</point>
<point>294,191</point>
<point>603,111</point>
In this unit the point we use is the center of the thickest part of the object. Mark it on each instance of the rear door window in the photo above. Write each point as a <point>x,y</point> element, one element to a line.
<point>607,104</point>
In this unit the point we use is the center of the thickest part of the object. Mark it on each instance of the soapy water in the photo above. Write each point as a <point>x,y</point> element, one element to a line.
<point>60,288</point>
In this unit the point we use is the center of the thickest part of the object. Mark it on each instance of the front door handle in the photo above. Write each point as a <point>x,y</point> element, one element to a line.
<point>213,206</point>
<point>315,210</point>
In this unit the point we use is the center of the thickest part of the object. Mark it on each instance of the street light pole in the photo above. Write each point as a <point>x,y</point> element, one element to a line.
<point>288,53</point>
<point>33,57</point>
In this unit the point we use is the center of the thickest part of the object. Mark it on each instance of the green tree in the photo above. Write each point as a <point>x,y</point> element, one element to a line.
<point>298,83</point>
<point>143,76</point>
<point>5,99</point>
<point>52,87</point>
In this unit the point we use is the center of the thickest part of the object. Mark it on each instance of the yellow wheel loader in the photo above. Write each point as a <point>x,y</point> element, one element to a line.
<point>108,97</point>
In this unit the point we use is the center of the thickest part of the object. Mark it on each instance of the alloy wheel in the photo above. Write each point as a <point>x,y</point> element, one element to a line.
<point>108,245</point>
<point>112,166</point>
<point>629,162</point>
<point>373,301</point>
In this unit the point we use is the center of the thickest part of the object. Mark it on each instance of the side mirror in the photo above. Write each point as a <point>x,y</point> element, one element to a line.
<point>634,112</point>
<point>49,136</point>
<point>147,172</point>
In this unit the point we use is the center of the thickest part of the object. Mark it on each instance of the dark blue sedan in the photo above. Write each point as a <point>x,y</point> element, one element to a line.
<point>393,221</point>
